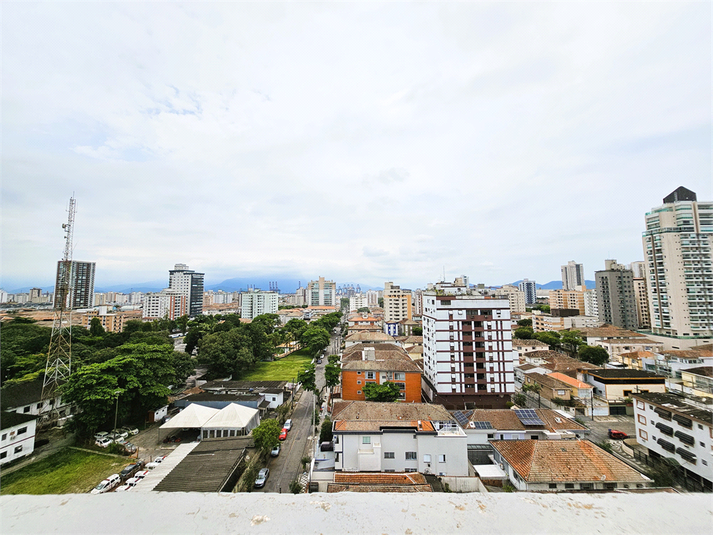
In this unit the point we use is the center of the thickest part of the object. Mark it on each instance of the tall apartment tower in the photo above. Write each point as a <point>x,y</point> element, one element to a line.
<point>190,284</point>
<point>322,293</point>
<point>169,304</point>
<point>397,307</point>
<point>572,275</point>
<point>256,303</point>
<point>679,266</point>
<point>81,287</point>
<point>615,295</point>
<point>530,289</point>
<point>641,296</point>
<point>467,351</point>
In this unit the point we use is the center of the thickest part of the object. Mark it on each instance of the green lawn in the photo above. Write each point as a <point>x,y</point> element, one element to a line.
<point>284,369</point>
<point>65,472</point>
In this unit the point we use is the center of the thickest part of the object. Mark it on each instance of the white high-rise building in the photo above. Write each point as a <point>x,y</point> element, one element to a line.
<point>591,307</point>
<point>372,298</point>
<point>467,350</point>
<point>322,293</point>
<point>397,307</point>
<point>190,284</point>
<point>530,289</point>
<point>677,246</point>
<point>572,275</point>
<point>169,304</point>
<point>358,301</point>
<point>255,303</point>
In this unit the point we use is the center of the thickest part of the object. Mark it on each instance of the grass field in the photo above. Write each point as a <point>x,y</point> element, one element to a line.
<point>284,369</point>
<point>67,471</point>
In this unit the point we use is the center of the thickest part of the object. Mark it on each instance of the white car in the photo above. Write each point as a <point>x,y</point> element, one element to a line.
<point>108,484</point>
<point>100,434</point>
<point>141,475</point>
<point>103,442</point>
<point>288,424</point>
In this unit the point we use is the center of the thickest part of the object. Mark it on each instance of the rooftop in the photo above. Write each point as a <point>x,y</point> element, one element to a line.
<point>369,337</point>
<point>564,461</point>
<point>506,419</point>
<point>570,380</point>
<point>374,416</point>
<point>705,371</point>
<point>522,342</point>
<point>21,394</point>
<point>608,331</point>
<point>11,419</point>
<point>623,373</point>
<point>678,404</point>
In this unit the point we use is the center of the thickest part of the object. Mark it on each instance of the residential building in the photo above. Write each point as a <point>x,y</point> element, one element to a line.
<point>190,284</point>
<point>397,306</point>
<point>398,437</point>
<point>256,303</point>
<point>638,269</point>
<point>26,398</point>
<point>591,307</point>
<point>81,284</point>
<point>568,300</point>
<point>18,435</point>
<point>372,297</point>
<point>615,295</point>
<point>641,296</point>
<point>321,293</point>
<point>698,381</point>
<point>572,276</point>
<point>515,297</point>
<point>363,364</point>
<point>368,337</point>
<point>484,425</point>
<point>564,465</point>
<point>417,302</point>
<point>618,346</point>
<point>530,289</point>
<point>551,388</point>
<point>112,322</point>
<point>358,301</point>
<point>169,304</point>
<point>672,426</point>
<point>617,386</point>
<point>523,346</point>
<point>467,350</point>
<point>677,247</point>
<point>549,322</point>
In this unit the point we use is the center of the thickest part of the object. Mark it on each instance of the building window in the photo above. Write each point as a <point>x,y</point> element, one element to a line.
<point>366,440</point>
<point>553,485</point>
<point>569,485</point>
<point>441,458</point>
<point>359,392</point>
<point>411,456</point>
<point>26,409</point>
<point>642,419</point>
<point>705,463</point>
<point>4,436</point>
<point>640,405</point>
<point>411,470</point>
<point>358,382</point>
<point>586,486</point>
<point>22,430</point>
<point>369,375</point>
<point>643,434</point>
<point>18,449</point>
<point>389,455</point>
<point>39,405</point>
<point>358,373</point>
<point>399,376</point>
<point>426,458</point>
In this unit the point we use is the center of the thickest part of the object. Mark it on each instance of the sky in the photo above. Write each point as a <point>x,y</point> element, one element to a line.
<point>363,142</point>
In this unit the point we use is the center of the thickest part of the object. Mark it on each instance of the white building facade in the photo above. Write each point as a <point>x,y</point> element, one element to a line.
<point>467,350</point>
<point>256,303</point>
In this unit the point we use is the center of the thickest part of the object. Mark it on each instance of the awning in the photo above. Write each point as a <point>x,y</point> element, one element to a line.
<point>193,416</point>
<point>665,429</point>
<point>686,439</point>
<point>668,446</point>
<point>687,455</point>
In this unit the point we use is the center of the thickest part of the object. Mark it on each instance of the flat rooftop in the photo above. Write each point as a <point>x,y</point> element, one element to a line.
<point>354,512</point>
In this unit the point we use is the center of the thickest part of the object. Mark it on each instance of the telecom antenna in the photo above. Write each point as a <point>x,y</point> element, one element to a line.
<point>59,356</point>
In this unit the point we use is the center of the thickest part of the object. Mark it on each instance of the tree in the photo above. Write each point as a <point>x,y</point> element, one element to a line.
<point>325,433</point>
<point>332,375</point>
<point>571,340</point>
<point>520,400</point>
<point>315,339</point>
<point>417,331</point>
<point>95,327</point>
<point>229,353</point>
<point>182,323</point>
<point>525,322</point>
<point>381,302</point>
<point>533,387</point>
<point>363,310</point>
<point>387,391</point>
<point>594,355</point>
<point>333,359</point>
<point>543,308</point>
<point>267,435</point>
<point>307,378</point>
<point>551,338</point>
<point>524,333</point>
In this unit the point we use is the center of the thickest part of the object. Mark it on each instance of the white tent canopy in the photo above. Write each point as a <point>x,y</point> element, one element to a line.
<point>193,416</point>
<point>232,416</point>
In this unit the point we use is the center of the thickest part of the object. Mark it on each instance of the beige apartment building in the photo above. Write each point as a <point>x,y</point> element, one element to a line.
<point>641,296</point>
<point>569,299</point>
<point>515,297</point>
<point>397,307</point>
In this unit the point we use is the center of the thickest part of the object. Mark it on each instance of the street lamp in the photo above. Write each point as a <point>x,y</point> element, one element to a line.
<point>116,411</point>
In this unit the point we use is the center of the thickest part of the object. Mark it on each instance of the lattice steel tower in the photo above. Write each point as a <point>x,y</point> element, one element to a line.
<point>59,356</point>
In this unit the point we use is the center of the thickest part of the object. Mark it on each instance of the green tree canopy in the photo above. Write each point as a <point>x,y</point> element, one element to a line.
<point>524,333</point>
<point>594,355</point>
<point>307,378</point>
<point>228,353</point>
<point>571,340</point>
<point>325,432</point>
<point>551,338</point>
<point>267,435</point>
<point>417,331</point>
<point>315,339</point>
<point>95,327</point>
<point>332,375</point>
<point>387,391</point>
<point>525,322</point>
<point>363,310</point>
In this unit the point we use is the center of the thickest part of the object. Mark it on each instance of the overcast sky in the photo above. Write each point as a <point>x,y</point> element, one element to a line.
<point>361,142</point>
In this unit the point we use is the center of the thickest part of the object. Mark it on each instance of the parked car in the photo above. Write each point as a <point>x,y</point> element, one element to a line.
<point>283,434</point>
<point>617,435</point>
<point>121,433</point>
<point>100,434</point>
<point>262,477</point>
<point>123,488</point>
<point>288,424</point>
<point>107,484</point>
<point>129,471</point>
<point>129,447</point>
<point>140,475</point>
<point>275,451</point>
<point>130,430</point>
<point>103,442</point>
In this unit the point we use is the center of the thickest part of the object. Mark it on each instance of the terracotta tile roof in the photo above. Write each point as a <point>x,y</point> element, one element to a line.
<point>521,342</point>
<point>630,341</point>
<point>507,420</point>
<point>564,461</point>
<point>688,353</point>
<point>413,339</point>
<point>372,416</point>
<point>547,380</point>
<point>368,336</point>
<point>639,355</point>
<point>558,362</point>
<point>394,365</point>
<point>608,331</point>
<point>357,349</point>
<point>570,380</point>
<point>377,425</point>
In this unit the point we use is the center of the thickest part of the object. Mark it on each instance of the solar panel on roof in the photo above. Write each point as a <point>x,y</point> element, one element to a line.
<point>460,418</point>
<point>482,425</point>
<point>528,417</point>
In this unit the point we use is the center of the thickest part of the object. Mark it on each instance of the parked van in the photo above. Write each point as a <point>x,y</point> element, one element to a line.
<point>106,485</point>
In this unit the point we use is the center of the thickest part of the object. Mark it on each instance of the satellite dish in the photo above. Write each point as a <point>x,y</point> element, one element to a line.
<point>603,477</point>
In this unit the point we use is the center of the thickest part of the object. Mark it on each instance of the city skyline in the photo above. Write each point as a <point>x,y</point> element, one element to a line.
<point>364,143</point>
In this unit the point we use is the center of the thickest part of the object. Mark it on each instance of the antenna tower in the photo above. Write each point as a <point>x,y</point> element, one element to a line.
<point>59,356</point>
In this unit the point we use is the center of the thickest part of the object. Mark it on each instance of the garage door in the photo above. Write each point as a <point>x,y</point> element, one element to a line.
<point>617,410</point>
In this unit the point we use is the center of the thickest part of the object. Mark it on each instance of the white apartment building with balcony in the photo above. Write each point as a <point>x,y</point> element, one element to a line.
<point>168,303</point>
<point>679,266</point>
<point>467,350</point>
<point>256,303</point>
<point>681,428</point>
<point>321,293</point>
